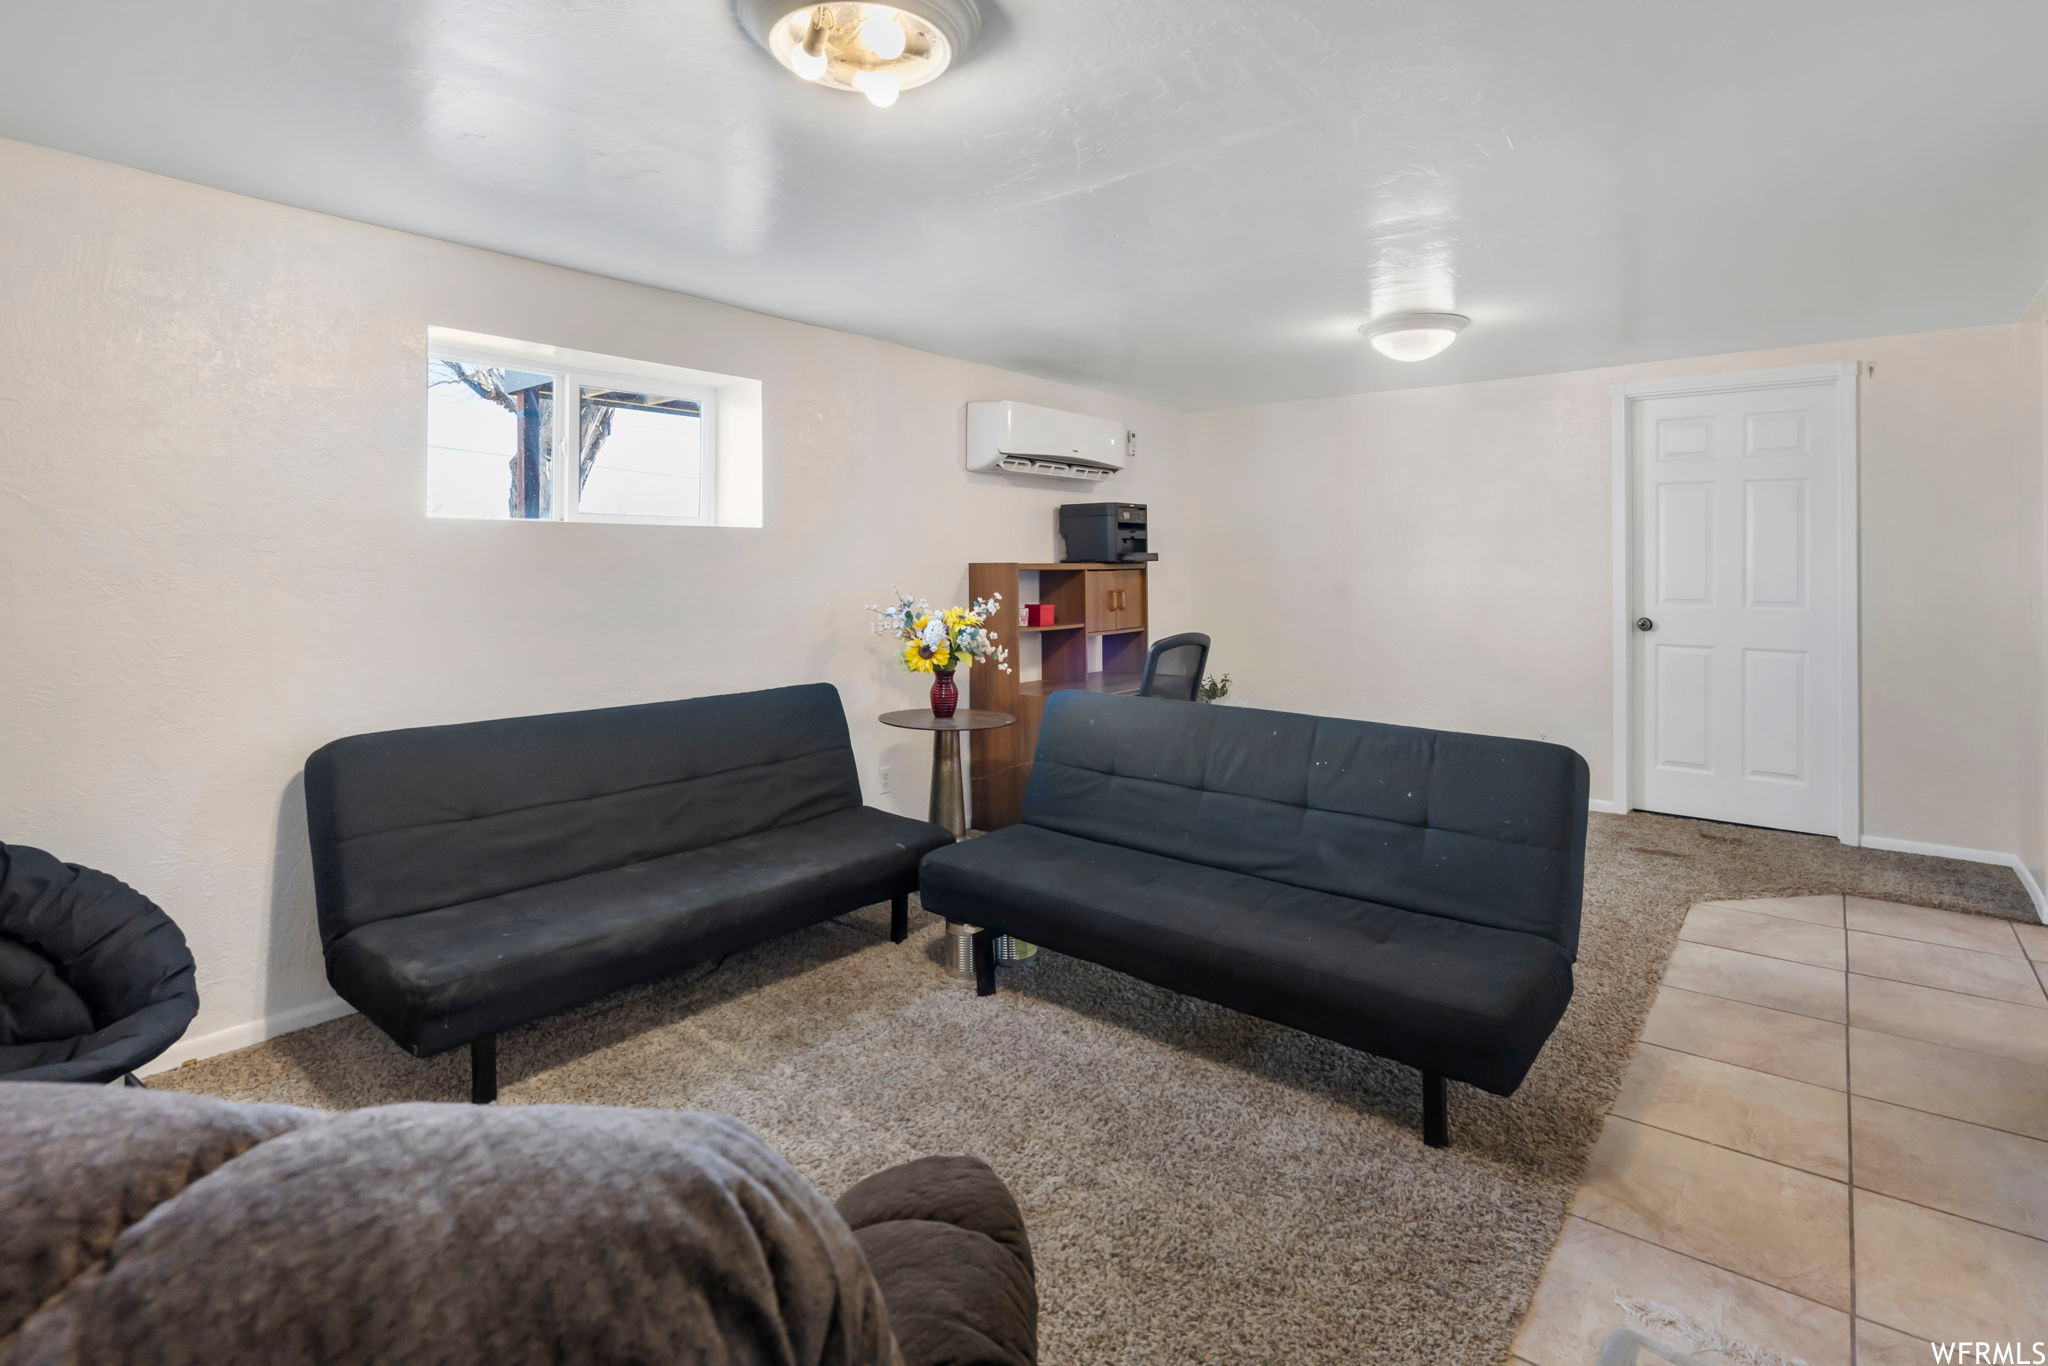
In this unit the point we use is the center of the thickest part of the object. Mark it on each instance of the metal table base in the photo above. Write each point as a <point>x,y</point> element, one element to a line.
<point>949,808</point>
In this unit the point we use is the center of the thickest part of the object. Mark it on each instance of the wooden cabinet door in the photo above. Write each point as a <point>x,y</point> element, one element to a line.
<point>1116,599</point>
<point>1102,599</point>
<point>1127,595</point>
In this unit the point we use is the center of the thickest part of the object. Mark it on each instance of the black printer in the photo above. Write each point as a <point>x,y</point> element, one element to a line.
<point>1104,533</point>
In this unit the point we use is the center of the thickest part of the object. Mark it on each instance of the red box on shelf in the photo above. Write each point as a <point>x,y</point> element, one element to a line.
<point>1038,614</point>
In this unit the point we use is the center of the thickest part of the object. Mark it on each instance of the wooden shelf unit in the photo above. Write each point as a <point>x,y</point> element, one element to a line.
<point>1105,603</point>
<point>1095,682</point>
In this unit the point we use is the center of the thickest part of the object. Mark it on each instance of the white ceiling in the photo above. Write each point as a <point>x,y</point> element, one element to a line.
<point>1191,201</point>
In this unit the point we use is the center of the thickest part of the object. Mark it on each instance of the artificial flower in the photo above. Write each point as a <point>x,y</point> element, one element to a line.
<point>941,640</point>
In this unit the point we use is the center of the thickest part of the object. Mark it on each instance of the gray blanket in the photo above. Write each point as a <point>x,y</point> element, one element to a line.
<point>152,1228</point>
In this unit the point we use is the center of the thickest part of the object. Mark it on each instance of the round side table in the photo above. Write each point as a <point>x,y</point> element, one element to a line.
<point>949,796</point>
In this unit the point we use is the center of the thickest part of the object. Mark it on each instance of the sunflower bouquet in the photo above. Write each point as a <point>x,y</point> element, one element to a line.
<point>939,642</point>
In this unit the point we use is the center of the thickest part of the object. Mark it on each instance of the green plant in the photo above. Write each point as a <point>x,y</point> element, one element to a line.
<point>1214,689</point>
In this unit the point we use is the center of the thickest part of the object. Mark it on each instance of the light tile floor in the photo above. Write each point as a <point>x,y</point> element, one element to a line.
<point>1832,1142</point>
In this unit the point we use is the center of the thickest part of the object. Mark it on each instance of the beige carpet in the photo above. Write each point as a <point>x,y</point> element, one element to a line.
<point>1201,1187</point>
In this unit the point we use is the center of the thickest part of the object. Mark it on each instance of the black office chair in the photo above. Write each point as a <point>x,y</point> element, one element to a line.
<point>1174,667</point>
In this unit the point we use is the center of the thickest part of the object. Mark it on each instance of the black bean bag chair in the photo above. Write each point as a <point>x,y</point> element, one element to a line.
<point>95,981</point>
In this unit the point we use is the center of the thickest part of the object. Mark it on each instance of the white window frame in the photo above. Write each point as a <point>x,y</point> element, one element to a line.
<point>567,443</point>
<point>566,454</point>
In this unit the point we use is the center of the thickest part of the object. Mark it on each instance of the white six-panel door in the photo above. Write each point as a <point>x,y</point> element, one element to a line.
<point>1736,641</point>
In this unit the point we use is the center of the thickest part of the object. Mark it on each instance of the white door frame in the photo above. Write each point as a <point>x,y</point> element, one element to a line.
<point>1842,375</point>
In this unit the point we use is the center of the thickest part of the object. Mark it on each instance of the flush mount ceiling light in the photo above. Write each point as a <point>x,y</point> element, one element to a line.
<point>1414,336</point>
<point>878,50</point>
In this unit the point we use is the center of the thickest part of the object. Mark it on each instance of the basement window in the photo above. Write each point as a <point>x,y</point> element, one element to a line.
<point>522,432</point>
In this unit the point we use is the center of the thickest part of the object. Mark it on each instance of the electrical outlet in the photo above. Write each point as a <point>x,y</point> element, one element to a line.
<point>884,776</point>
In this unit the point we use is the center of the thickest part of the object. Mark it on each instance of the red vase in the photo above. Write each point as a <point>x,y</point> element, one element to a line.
<point>945,694</point>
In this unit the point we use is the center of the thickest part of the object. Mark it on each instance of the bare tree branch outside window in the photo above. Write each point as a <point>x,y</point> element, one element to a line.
<point>534,411</point>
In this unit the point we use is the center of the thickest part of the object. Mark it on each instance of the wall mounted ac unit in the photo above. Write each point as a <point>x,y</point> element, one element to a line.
<point>1023,438</point>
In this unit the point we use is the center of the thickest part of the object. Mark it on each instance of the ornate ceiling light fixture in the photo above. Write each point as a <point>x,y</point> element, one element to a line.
<point>878,50</point>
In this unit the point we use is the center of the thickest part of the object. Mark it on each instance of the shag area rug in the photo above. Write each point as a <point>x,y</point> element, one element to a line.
<point>1201,1186</point>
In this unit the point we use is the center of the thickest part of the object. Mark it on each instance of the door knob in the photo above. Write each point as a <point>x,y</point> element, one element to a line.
<point>1645,624</point>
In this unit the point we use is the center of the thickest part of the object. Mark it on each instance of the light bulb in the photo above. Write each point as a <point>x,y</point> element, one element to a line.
<point>807,52</point>
<point>1414,336</point>
<point>879,86</point>
<point>809,65</point>
<point>882,35</point>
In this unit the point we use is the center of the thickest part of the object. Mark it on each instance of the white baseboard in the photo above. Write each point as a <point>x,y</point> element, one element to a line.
<point>242,1035</point>
<point>1602,805</point>
<point>2033,886</point>
<point>1956,851</point>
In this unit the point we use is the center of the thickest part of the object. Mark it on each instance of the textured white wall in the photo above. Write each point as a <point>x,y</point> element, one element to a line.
<point>214,556</point>
<point>1441,557</point>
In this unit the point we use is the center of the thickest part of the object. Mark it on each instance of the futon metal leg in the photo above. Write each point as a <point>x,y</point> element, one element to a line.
<point>483,1070</point>
<point>132,1080</point>
<point>899,917</point>
<point>984,963</point>
<point>1436,1123</point>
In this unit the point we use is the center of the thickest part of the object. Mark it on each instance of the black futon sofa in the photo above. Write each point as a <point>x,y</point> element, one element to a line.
<point>474,877</point>
<point>1411,893</point>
